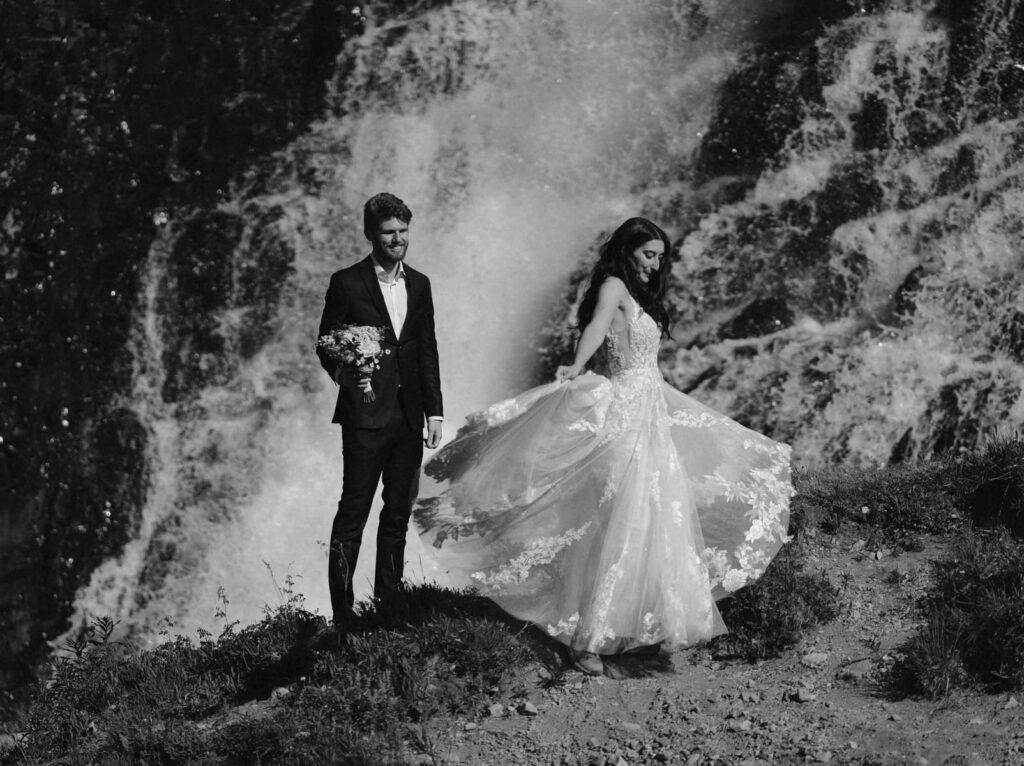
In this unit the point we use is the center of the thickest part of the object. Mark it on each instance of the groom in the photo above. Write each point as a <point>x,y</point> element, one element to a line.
<point>383,438</point>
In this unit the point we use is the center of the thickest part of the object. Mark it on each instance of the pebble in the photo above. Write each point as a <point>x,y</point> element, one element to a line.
<point>804,695</point>
<point>814,659</point>
<point>1011,703</point>
<point>856,671</point>
<point>527,708</point>
<point>496,710</point>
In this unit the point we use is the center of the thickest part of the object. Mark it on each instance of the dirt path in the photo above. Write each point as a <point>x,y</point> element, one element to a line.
<point>819,703</point>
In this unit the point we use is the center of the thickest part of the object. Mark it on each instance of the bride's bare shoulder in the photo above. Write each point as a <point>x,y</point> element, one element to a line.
<point>613,286</point>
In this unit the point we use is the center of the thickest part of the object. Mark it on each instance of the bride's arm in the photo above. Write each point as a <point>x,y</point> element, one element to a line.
<point>609,298</point>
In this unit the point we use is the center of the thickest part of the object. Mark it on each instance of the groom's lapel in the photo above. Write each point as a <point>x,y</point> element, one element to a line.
<point>376,296</point>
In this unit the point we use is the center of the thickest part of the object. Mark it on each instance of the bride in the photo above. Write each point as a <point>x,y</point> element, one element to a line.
<point>611,511</point>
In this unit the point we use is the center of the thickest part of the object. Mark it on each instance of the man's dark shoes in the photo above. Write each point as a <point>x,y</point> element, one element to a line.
<point>326,638</point>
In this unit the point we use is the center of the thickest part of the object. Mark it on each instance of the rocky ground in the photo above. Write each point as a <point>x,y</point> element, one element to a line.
<point>822,702</point>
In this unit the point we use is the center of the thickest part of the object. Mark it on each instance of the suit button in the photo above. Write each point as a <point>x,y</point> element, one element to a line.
<point>387,351</point>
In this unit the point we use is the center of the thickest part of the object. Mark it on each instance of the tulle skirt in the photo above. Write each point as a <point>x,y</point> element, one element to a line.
<point>612,513</point>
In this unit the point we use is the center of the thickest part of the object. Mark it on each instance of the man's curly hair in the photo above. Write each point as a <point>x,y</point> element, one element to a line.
<point>381,207</point>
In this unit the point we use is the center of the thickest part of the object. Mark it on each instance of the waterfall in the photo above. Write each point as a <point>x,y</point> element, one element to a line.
<point>517,133</point>
<point>845,199</point>
<point>863,301</point>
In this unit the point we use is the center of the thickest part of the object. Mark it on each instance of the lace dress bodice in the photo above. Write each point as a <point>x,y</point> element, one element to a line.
<point>635,347</point>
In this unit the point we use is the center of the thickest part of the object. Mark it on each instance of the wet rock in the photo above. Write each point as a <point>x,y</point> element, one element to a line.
<point>196,290</point>
<point>759,317</point>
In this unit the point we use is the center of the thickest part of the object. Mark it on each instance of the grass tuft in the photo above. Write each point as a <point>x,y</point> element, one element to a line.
<point>974,621</point>
<point>772,614</point>
<point>993,485</point>
<point>900,501</point>
<point>270,693</point>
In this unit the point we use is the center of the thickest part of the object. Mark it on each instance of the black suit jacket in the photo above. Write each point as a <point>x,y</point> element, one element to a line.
<point>409,377</point>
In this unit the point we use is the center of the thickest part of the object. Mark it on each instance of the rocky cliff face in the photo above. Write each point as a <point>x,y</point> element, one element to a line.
<point>112,114</point>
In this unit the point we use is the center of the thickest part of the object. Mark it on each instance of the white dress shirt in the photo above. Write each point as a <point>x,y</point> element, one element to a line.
<point>396,299</point>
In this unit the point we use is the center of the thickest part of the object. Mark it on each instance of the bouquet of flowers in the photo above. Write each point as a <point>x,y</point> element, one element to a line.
<point>357,347</point>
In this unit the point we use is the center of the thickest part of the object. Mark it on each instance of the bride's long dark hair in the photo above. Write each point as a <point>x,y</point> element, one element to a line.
<point>614,261</point>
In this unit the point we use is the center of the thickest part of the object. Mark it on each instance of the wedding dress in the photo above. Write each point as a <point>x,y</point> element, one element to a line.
<point>610,511</point>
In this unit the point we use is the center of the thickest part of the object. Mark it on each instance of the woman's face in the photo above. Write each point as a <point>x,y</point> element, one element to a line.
<point>646,259</point>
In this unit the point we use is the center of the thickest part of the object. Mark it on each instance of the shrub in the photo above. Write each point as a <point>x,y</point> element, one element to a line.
<point>974,621</point>
<point>770,616</point>
<point>992,485</point>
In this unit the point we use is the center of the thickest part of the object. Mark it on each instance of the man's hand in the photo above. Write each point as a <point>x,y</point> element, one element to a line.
<point>433,433</point>
<point>345,376</point>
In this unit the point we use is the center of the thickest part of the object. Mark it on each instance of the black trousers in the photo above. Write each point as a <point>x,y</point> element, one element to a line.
<point>369,455</point>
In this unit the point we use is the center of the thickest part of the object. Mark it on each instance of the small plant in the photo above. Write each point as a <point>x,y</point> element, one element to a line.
<point>992,485</point>
<point>771,615</point>
<point>974,621</point>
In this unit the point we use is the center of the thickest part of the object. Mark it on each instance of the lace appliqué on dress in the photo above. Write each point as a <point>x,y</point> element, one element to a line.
<point>541,551</point>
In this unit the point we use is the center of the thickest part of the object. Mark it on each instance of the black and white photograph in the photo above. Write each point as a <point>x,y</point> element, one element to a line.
<point>492,382</point>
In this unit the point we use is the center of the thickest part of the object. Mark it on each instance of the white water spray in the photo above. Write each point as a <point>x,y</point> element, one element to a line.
<point>563,111</point>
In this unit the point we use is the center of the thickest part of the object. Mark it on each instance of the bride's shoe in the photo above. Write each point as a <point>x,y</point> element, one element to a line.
<point>587,662</point>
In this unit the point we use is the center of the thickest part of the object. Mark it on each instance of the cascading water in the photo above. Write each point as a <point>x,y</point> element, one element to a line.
<point>517,132</point>
<point>848,280</point>
<point>883,251</point>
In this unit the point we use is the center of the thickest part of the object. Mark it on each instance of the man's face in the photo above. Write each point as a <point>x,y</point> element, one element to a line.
<point>390,241</point>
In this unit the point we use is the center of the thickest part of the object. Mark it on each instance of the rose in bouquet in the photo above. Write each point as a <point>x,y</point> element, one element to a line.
<point>357,347</point>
